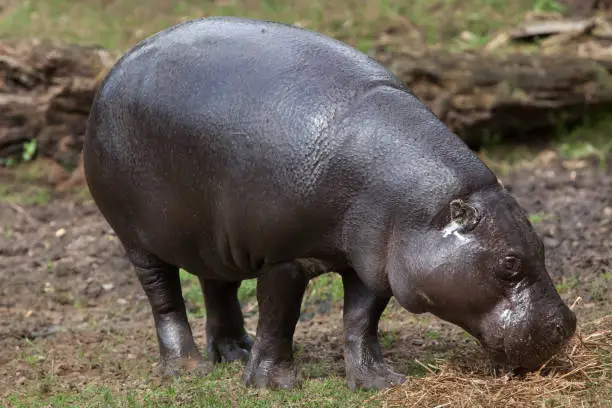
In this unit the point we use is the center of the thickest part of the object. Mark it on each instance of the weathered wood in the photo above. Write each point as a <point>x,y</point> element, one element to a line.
<point>479,95</point>
<point>46,90</point>
<point>545,28</point>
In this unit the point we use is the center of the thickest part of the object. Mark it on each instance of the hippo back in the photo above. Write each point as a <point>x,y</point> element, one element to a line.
<point>255,135</point>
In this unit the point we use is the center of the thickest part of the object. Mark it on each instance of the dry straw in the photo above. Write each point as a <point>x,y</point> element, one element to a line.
<point>579,376</point>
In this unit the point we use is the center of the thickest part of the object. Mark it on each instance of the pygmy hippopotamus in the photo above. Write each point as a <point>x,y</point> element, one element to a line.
<point>239,149</point>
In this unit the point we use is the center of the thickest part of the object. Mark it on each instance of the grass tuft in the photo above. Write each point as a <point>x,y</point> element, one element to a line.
<point>118,25</point>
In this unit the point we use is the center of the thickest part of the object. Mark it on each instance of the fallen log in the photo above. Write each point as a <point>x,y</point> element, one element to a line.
<point>480,95</point>
<point>46,90</point>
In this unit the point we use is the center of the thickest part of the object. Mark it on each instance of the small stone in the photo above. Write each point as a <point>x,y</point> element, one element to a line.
<point>122,301</point>
<point>64,298</point>
<point>93,289</point>
<point>551,242</point>
<point>64,267</point>
<point>60,232</point>
<point>467,36</point>
<point>608,211</point>
<point>108,286</point>
<point>547,156</point>
<point>575,164</point>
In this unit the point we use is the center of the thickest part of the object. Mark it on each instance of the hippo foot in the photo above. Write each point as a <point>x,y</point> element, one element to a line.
<point>376,376</point>
<point>266,374</point>
<point>175,367</point>
<point>229,349</point>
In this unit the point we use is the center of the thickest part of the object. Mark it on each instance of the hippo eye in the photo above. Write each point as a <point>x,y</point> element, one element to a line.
<point>511,267</point>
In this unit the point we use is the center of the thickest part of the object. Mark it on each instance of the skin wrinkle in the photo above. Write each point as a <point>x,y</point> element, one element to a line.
<point>389,244</point>
<point>316,156</point>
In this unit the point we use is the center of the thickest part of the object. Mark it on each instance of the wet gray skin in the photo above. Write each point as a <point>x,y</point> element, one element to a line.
<point>240,149</point>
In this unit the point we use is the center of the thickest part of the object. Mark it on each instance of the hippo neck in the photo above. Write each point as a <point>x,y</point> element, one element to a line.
<point>402,154</point>
<point>416,167</point>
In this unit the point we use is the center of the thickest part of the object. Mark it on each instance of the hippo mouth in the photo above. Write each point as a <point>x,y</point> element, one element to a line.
<point>500,360</point>
<point>500,357</point>
<point>497,355</point>
<point>523,362</point>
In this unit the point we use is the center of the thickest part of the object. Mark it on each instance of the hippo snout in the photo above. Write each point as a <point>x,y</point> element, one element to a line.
<point>530,346</point>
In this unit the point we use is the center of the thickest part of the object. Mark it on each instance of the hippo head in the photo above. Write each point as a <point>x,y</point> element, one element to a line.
<point>482,268</point>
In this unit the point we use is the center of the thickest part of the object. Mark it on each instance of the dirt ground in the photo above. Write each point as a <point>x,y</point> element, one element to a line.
<point>72,313</point>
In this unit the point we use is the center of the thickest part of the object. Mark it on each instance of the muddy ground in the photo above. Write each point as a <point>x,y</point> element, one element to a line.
<point>72,313</point>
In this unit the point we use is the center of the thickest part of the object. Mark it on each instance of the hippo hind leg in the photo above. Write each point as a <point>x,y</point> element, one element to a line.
<point>160,281</point>
<point>226,338</point>
<point>280,289</point>
<point>363,358</point>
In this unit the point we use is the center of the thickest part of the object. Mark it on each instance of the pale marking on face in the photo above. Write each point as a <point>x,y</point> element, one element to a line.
<point>453,229</point>
<point>505,317</point>
<point>523,303</point>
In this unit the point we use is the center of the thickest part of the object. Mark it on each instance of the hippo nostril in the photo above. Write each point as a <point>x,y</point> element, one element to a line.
<point>568,327</point>
<point>565,328</point>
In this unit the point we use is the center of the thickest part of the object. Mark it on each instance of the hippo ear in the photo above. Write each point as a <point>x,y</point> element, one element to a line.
<point>465,215</point>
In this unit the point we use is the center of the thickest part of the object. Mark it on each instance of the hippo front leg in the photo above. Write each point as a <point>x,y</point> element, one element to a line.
<point>363,358</point>
<point>279,295</point>
<point>161,283</point>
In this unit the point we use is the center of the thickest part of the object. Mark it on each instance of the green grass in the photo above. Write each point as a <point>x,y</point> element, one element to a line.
<point>192,293</point>
<point>388,338</point>
<point>549,6</point>
<point>433,335</point>
<point>539,217</point>
<point>119,24</point>
<point>222,388</point>
<point>325,289</point>
<point>24,194</point>
<point>601,285</point>
<point>589,138</point>
<point>567,284</point>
